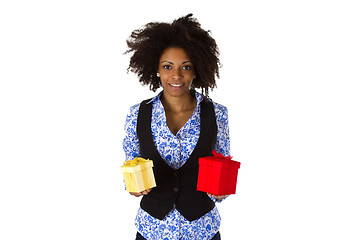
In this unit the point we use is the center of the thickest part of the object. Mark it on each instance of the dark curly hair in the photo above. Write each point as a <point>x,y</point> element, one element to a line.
<point>148,43</point>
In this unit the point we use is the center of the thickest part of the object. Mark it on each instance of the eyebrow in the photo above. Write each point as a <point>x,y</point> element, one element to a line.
<point>173,63</point>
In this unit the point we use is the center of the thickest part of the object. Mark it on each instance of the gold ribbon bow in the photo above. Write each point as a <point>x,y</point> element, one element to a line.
<point>135,161</point>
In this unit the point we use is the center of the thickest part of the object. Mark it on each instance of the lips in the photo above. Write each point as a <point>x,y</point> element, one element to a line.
<point>175,85</point>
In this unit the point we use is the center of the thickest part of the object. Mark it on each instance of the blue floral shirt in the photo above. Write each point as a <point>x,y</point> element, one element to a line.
<point>175,150</point>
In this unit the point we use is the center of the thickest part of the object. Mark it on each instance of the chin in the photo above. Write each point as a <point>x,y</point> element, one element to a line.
<point>178,93</point>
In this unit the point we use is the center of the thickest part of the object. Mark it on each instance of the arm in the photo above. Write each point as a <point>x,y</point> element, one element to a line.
<point>131,141</point>
<point>223,140</point>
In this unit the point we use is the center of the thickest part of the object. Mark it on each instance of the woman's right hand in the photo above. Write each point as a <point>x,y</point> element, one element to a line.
<point>145,192</point>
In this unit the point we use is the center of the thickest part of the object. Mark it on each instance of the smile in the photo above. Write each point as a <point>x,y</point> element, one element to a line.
<point>176,85</point>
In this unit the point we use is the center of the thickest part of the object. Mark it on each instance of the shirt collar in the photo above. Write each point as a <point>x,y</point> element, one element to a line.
<point>199,97</point>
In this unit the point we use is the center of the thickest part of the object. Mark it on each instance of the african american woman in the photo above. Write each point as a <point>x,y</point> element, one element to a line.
<point>176,127</point>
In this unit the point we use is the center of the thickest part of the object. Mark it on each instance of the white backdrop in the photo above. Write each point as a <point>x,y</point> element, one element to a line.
<point>290,79</point>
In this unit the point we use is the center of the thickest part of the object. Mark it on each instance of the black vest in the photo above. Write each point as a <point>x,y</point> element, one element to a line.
<point>177,186</point>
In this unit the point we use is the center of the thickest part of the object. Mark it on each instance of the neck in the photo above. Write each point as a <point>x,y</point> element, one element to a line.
<point>178,104</point>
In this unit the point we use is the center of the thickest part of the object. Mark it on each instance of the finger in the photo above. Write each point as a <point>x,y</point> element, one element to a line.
<point>218,197</point>
<point>138,194</point>
<point>213,196</point>
<point>146,191</point>
<point>135,194</point>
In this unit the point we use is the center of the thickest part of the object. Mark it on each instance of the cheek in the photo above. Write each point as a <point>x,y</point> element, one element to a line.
<point>161,81</point>
<point>191,78</point>
<point>191,81</point>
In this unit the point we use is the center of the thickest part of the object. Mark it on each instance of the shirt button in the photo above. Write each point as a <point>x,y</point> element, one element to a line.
<point>175,189</point>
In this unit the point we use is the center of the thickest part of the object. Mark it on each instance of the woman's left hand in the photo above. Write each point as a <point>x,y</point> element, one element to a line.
<point>145,192</point>
<point>218,197</point>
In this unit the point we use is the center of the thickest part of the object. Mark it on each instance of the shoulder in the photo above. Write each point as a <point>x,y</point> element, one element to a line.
<point>221,111</point>
<point>131,118</point>
<point>134,110</point>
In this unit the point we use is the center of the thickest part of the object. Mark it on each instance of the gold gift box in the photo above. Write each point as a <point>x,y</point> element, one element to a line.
<point>138,174</point>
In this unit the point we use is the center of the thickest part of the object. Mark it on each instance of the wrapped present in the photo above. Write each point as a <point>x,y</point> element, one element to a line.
<point>217,174</point>
<point>138,174</point>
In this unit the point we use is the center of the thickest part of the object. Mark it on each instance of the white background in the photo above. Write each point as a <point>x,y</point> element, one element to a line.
<point>290,79</point>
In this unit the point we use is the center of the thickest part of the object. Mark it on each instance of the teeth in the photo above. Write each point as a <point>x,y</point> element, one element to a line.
<point>176,85</point>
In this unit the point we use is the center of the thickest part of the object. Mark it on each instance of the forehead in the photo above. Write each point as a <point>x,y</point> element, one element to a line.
<point>174,54</point>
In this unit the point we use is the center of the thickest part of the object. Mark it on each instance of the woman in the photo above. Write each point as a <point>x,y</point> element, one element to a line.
<point>176,127</point>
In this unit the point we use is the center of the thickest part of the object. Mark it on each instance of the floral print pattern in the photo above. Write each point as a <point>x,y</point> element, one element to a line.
<point>175,150</point>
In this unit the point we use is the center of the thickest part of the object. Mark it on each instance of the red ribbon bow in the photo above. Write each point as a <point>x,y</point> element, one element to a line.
<point>219,155</point>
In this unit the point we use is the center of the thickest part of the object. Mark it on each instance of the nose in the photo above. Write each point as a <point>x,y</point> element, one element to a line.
<point>177,73</point>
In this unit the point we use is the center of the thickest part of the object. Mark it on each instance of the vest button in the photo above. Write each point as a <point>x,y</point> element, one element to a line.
<point>175,189</point>
<point>176,173</point>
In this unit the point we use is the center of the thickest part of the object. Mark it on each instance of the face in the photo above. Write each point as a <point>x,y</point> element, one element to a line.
<point>176,72</point>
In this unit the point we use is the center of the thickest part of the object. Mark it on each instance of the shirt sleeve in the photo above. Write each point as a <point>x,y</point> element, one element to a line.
<point>222,144</point>
<point>131,141</point>
<point>223,140</point>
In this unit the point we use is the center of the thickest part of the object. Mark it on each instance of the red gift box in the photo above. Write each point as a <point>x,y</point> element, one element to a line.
<point>217,174</point>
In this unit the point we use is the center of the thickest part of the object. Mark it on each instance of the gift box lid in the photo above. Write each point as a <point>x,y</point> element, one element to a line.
<point>135,165</point>
<point>220,161</point>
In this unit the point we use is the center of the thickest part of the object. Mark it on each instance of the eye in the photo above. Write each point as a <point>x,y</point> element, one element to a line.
<point>187,67</point>
<point>167,67</point>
